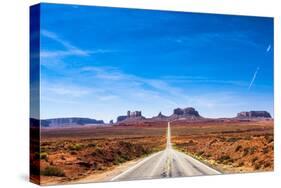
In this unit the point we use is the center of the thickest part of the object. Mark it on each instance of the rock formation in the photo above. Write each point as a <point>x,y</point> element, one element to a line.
<point>189,112</point>
<point>160,116</point>
<point>253,114</point>
<point>121,118</point>
<point>135,115</point>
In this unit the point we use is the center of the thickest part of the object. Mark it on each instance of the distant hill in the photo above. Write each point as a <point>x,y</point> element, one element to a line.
<point>189,114</point>
<point>65,122</point>
<point>178,113</point>
<point>182,114</point>
<point>253,115</point>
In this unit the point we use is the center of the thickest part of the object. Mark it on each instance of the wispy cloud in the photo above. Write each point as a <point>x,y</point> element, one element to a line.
<point>212,38</point>
<point>115,77</point>
<point>204,80</point>
<point>64,89</point>
<point>104,87</point>
<point>254,78</point>
<point>162,89</point>
<point>70,49</point>
<point>106,73</point>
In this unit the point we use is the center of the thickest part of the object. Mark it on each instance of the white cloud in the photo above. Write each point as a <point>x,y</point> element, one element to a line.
<point>64,90</point>
<point>70,49</point>
<point>116,91</point>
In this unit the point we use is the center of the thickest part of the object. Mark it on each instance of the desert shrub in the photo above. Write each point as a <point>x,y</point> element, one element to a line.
<point>75,147</point>
<point>240,164</point>
<point>245,152</point>
<point>92,145</point>
<point>125,144</point>
<point>118,160</point>
<point>225,159</point>
<point>265,150</point>
<point>249,151</point>
<point>213,141</point>
<point>125,157</point>
<point>254,159</point>
<point>190,143</point>
<point>200,153</point>
<point>222,139</point>
<point>53,171</point>
<point>208,155</point>
<point>267,165</point>
<point>232,139</point>
<point>85,164</point>
<point>269,139</point>
<point>257,166</point>
<point>252,150</point>
<point>239,147</point>
<point>98,152</point>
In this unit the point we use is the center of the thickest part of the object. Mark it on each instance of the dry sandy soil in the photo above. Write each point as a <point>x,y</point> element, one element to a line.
<point>228,146</point>
<point>74,154</point>
<point>69,154</point>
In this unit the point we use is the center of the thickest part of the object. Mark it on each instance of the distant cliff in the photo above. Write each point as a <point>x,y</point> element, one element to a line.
<point>178,113</point>
<point>253,115</point>
<point>189,114</point>
<point>66,122</point>
<point>131,116</point>
<point>185,113</point>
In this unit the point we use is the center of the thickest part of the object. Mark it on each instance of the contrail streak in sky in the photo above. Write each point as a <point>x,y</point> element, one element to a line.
<point>254,77</point>
<point>268,48</point>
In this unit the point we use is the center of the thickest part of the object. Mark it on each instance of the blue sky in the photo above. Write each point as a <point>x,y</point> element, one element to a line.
<point>99,62</point>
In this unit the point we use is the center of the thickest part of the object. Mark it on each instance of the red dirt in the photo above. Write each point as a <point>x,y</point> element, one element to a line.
<point>228,146</point>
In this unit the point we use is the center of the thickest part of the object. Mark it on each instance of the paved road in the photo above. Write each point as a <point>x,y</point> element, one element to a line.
<point>166,163</point>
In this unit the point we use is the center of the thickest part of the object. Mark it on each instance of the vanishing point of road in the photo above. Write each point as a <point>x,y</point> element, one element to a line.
<point>166,163</point>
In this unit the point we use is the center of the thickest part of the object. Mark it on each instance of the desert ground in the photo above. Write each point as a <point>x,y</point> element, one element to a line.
<point>230,147</point>
<point>69,154</point>
<point>83,153</point>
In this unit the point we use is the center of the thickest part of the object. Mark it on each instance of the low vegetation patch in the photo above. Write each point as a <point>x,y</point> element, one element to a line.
<point>75,147</point>
<point>53,171</point>
<point>74,158</point>
<point>233,147</point>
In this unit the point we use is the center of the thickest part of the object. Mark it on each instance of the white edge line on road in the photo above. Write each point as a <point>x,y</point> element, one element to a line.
<point>137,165</point>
